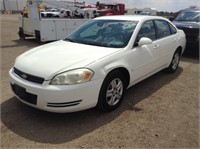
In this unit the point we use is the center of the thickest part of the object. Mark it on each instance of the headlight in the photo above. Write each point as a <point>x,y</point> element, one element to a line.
<point>72,77</point>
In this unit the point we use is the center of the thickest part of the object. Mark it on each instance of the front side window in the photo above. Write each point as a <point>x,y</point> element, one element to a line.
<point>106,33</point>
<point>147,30</point>
<point>163,29</point>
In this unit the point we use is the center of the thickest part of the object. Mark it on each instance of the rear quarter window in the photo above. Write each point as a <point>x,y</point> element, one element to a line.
<point>173,29</point>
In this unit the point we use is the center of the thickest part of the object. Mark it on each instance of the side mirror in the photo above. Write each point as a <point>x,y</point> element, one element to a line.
<point>144,41</point>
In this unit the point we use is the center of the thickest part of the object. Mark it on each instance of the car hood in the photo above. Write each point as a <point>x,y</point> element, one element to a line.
<point>50,59</point>
<point>186,24</point>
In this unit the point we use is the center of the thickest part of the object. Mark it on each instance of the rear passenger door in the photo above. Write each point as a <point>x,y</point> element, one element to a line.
<point>166,39</point>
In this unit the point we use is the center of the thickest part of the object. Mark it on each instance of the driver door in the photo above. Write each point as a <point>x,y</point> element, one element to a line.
<point>144,59</point>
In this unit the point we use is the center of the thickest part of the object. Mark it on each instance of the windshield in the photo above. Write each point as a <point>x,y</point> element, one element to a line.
<point>114,7</point>
<point>105,33</point>
<point>188,16</point>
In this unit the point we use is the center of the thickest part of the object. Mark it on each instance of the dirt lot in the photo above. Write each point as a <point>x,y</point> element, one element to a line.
<point>160,112</point>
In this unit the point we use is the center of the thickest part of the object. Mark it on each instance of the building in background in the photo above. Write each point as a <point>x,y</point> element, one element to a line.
<point>149,11</point>
<point>12,6</point>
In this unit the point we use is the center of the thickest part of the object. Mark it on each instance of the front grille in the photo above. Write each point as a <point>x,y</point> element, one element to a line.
<point>63,104</point>
<point>28,77</point>
<point>22,94</point>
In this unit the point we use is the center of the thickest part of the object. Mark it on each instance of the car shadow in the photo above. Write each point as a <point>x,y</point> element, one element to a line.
<point>191,52</point>
<point>190,59</point>
<point>30,42</point>
<point>45,127</point>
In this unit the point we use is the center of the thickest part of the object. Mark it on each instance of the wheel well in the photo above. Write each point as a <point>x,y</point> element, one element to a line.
<point>179,49</point>
<point>124,72</point>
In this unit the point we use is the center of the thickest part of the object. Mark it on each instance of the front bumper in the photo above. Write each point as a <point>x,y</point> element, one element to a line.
<point>56,98</point>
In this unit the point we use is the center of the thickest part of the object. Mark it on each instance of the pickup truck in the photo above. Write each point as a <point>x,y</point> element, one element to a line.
<point>54,13</point>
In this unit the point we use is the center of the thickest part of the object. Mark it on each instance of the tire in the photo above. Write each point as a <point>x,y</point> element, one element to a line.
<point>174,63</point>
<point>112,91</point>
<point>21,34</point>
<point>37,37</point>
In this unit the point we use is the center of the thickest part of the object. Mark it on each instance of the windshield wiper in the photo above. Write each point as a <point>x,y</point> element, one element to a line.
<point>98,44</point>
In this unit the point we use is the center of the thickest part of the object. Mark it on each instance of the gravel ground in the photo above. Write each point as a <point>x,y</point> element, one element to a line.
<point>160,112</point>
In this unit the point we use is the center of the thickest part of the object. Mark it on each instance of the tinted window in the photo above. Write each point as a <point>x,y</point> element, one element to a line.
<point>173,29</point>
<point>147,30</point>
<point>163,29</point>
<point>89,32</point>
<point>188,16</point>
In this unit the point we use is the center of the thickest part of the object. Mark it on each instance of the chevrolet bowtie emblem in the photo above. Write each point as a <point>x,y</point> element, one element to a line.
<point>24,76</point>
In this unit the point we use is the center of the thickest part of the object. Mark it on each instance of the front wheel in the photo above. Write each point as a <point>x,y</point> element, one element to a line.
<point>112,91</point>
<point>175,62</point>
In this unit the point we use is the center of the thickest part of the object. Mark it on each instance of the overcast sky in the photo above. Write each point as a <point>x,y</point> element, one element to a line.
<point>160,5</point>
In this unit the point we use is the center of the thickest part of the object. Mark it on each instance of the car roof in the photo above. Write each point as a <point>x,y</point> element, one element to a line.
<point>191,10</point>
<point>129,17</point>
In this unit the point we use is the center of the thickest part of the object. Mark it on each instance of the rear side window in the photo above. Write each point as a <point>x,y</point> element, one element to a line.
<point>163,29</point>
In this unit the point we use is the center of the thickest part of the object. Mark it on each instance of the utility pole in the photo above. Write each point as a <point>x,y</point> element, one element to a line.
<point>4,5</point>
<point>17,6</point>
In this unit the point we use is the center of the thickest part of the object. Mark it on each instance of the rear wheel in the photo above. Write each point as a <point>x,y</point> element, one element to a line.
<point>21,33</point>
<point>175,62</point>
<point>112,91</point>
<point>37,36</point>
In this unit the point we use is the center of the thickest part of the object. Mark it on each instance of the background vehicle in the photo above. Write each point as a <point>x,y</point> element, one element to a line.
<point>50,12</point>
<point>45,26</point>
<point>59,13</point>
<point>189,21</point>
<point>95,64</point>
<point>49,29</point>
<point>147,13</point>
<point>111,9</point>
<point>142,11</point>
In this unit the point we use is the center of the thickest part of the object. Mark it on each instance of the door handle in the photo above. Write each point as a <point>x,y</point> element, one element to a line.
<point>174,39</point>
<point>156,46</point>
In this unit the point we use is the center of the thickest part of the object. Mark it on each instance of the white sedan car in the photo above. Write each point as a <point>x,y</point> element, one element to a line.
<point>95,65</point>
